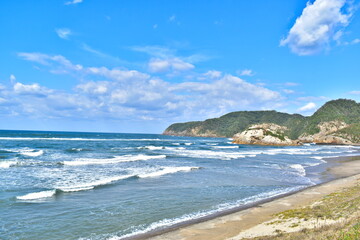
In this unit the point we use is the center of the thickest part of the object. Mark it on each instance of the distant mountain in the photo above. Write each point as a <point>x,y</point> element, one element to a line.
<point>336,122</point>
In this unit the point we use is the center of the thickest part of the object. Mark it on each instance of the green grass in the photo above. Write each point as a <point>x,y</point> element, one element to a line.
<point>343,206</point>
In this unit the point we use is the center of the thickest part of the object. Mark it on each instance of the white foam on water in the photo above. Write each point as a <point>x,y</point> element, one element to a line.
<point>152,147</point>
<point>167,170</point>
<point>299,168</point>
<point>7,164</point>
<point>31,153</point>
<point>225,147</point>
<point>92,185</point>
<point>192,216</point>
<point>176,144</point>
<point>118,159</point>
<point>188,143</point>
<point>213,154</point>
<point>37,195</point>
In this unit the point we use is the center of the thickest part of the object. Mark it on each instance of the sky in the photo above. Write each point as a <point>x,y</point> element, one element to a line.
<point>137,66</point>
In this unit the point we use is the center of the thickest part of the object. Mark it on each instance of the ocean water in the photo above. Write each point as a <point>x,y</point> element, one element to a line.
<point>63,185</point>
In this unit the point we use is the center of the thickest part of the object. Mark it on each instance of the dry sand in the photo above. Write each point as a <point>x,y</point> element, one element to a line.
<point>253,221</point>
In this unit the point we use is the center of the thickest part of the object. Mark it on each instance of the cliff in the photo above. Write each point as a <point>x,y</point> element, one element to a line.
<point>265,134</point>
<point>336,122</point>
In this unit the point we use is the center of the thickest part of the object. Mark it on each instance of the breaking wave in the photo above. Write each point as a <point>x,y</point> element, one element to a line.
<point>167,170</point>
<point>118,159</point>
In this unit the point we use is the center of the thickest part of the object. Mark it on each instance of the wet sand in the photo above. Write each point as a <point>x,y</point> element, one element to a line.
<point>240,223</point>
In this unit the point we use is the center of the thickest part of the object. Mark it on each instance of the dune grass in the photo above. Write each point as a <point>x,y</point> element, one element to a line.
<point>342,207</point>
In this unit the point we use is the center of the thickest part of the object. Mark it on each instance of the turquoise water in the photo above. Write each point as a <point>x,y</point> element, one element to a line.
<point>62,185</point>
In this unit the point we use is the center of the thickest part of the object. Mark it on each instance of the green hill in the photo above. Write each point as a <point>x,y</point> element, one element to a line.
<point>228,125</point>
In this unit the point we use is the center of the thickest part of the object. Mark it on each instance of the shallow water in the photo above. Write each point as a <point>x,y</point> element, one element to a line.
<point>61,185</point>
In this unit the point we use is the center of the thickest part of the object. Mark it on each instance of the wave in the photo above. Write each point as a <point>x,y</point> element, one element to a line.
<point>299,168</point>
<point>213,154</point>
<point>75,150</point>
<point>37,195</point>
<point>92,185</point>
<point>225,147</point>
<point>201,214</point>
<point>118,159</point>
<point>7,164</point>
<point>101,182</point>
<point>152,147</point>
<point>31,153</point>
<point>167,170</point>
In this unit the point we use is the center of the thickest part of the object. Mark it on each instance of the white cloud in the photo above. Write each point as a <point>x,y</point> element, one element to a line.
<point>355,41</point>
<point>312,98</point>
<point>246,72</point>
<point>307,107</point>
<point>63,33</point>
<point>158,65</point>
<point>355,92</point>
<point>73,2</point>
<point>102,54</point>
<point>317,26</point>
<point>212,74</point>
<point>155,51</point>
<point>117,74</point>
<point>30,89</point>
<point>172,18</point>
<point>96,88</point>
<point>12,78</point>
<point>58,64</point>
<point>291,84</point>
<point>115,93</point>
<point>288,91</point>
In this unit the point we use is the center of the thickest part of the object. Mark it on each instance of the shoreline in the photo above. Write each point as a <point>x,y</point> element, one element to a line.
<point>229,223</point>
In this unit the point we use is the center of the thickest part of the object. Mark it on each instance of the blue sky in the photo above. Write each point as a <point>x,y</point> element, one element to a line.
<point>138,66</point>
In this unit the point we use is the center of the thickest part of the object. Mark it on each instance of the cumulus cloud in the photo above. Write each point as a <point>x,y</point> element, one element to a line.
<point>246,72</point>
<point>30,89</point>
<point>212,74</point>
<point>63,33</point>
<point>320,23</point>
<point>308,107</point>
<point>157,65</point>
<point>73,2</point>
<point>117,93</point>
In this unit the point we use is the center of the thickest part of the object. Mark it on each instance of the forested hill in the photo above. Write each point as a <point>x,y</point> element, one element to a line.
<point>343,110</point>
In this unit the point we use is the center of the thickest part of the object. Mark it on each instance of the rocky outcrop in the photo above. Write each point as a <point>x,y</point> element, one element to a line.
<point>265,134</point>
<point>327,134</point>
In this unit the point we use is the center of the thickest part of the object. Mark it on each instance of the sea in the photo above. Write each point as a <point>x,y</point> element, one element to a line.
<point>73,185</point>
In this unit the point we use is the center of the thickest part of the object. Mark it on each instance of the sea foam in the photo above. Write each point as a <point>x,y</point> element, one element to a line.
<point>37,195</point>
<point>31,153</point>
<point>7,164</point>
<point>118,159</point>
<point>166,170</point>
<point>92,185</point>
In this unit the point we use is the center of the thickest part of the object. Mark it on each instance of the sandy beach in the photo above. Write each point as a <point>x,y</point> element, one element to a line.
<point>258,220</point>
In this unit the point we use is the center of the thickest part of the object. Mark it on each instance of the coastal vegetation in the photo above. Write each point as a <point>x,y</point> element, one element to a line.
<point>337,121</point>
<point>336,216</point>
